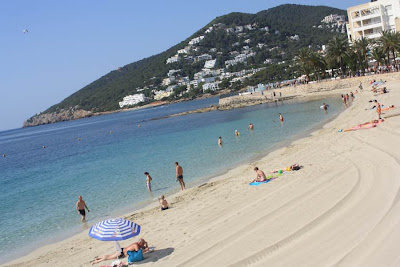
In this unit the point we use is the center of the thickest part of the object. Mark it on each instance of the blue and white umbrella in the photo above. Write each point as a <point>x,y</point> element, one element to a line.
<point>114,230</point>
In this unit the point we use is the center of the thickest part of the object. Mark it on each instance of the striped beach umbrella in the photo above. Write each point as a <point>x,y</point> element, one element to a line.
<point>114,230</point>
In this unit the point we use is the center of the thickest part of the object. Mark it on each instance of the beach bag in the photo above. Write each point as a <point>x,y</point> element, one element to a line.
<point>135,256</point>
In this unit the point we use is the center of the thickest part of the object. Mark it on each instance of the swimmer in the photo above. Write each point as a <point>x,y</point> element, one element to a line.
<point>43,146</point>
<point>110,132</point>
<point>325,107</point>
<point>139,126</point>
<point>148,181</point>
<point>4,155</point>
<point>251,126</point>
<point>79,139</point>
<point>220,141</point>
<point>280,117</point>
<point>237,133</point>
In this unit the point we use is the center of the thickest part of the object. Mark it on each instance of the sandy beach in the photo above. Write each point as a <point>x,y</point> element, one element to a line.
<point>342,208</point>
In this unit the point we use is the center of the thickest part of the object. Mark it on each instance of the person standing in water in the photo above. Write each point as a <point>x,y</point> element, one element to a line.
<point>179,175</point>
<point>251,126</point>
<point>148,181</point>
<point>237,133</point>
<point>80,208</point>
<point>325,107</point>
<point>220,141</point>
<point>280,117</point>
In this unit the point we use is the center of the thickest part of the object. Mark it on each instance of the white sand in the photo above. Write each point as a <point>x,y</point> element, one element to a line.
<point>341,209</point>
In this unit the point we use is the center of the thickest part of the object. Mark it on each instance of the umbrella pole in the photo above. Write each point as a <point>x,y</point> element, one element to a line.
<point>118,247</point>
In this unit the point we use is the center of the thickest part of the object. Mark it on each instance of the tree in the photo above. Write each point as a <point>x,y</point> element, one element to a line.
<point>304,60</point>
<point>336,50</point>
<point>378,54</point>
<point>361,47</point>
<point>389,42</point>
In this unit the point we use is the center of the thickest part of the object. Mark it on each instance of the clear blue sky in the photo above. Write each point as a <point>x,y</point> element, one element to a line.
<point>72,43</point>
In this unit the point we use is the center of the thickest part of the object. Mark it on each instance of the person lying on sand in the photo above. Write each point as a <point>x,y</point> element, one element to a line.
<point>260,175</point>
<point>140,245</point>
<point>163,203</point>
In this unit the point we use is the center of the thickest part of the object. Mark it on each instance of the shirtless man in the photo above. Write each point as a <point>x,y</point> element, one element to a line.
<point>179,176</point>
<point>141,244</point>
<point>280,117</point>
<point>220,141</point>
<point>80,208</point>
<point>251,126</point>
<point>260,175</point>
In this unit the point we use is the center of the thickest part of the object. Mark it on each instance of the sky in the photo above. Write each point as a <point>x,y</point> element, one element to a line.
<point>69,44</point>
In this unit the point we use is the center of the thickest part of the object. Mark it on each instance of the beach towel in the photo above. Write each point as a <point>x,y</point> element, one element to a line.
<point>267,181</point>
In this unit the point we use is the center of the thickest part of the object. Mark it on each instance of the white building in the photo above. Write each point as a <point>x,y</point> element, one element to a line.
<point>182,51</point>
<point>161,94</point>
<point>334,18</point>
<point>168,81</point>
<point>230,30</point>
<point>196,40</point>
<point>370,19</point>
<point>203,57</point>
<point>210,64</point>
<point>294,37</point>
<point>210,29</point>
<point>173,59</point>
<point>210,86</point>
<point>238,28</point>
<point>130,100</point>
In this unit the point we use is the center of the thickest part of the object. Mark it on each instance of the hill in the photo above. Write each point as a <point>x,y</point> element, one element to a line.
<point>241,44</point>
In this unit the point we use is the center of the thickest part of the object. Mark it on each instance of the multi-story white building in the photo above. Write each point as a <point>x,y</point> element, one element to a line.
<point>203,57</point>
<point>210,64</point>
<point>370,19</point>
<point>196,40</point>
<point>210,86</point>
<point>130,100</point>
<point>173,59</point>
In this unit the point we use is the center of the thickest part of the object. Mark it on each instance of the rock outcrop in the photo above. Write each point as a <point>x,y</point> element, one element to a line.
<point>61,115</point>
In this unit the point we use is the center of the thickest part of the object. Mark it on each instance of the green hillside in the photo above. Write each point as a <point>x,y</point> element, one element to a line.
<point>105,93</point>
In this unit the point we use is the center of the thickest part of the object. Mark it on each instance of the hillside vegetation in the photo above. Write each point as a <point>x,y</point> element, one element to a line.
<point>273,29</point>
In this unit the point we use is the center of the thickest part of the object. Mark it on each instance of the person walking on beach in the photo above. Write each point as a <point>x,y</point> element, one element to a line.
<point>261,177</point>
<point>378,109</point>
<point>280,117</point>
<point>179,176</point>
<point>251,126</point>
<point>148,181</point>
<point>80,208</point>
<point>220,141</point>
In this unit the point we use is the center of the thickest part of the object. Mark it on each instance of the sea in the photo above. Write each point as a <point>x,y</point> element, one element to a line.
<point>104,158</point>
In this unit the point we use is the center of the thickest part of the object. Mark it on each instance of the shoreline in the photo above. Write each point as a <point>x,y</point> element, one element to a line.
<point>145,206</point>
<point>207,188</point>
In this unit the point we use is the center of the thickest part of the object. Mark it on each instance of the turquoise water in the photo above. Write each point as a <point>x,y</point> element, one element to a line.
<point>39,186</point>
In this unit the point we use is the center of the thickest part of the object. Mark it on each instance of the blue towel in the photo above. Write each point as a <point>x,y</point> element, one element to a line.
<point>258,183</point>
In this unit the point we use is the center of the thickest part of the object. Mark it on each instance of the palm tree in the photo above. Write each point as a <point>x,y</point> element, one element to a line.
<point>318,63</point>
<point>304,60</point>
<point>336,50</point>
<point>361,47</point>
<point>390,42</point>
<point>378,54</point>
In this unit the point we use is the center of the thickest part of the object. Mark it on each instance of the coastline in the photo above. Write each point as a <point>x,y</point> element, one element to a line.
<point>148,214</point>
